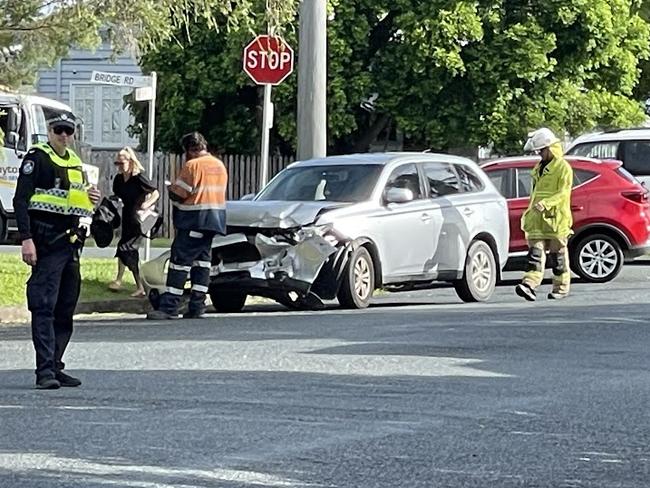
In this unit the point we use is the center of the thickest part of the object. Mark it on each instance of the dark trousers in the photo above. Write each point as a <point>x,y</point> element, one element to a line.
<point>191,254</point>
<point>52,294</point>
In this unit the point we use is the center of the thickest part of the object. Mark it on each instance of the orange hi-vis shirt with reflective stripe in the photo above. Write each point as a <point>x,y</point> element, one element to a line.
<point>202,184</point>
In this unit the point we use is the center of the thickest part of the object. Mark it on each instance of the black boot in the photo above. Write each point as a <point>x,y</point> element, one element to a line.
<point>554,295</point>
<point>160,315</point>
<point>47,384</point>
<point>67,380</point>
<point>525,291</point>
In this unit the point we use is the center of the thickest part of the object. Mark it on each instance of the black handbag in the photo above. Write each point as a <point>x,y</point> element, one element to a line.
<point>105,220</point>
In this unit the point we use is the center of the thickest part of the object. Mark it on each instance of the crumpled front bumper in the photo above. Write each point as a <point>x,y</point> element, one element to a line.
<point>282,266</point>
<point>310,260</point>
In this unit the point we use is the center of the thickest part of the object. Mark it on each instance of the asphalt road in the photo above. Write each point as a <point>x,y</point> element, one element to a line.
<point>417,391</point>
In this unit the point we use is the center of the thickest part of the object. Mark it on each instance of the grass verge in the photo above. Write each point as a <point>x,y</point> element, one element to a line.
<point>96,274</point>
<point>158,242</point>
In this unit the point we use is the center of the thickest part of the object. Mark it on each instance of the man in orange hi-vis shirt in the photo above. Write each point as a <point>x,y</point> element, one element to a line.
<point>199,199</point>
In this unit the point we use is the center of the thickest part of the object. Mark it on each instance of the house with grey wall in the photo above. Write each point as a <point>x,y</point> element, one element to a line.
<point>100,106</point>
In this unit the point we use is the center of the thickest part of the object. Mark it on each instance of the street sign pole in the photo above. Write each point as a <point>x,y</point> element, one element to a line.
<point>145,91</point>
<point>268,60</point>
<point>151,146</point>
<point>267,123</point>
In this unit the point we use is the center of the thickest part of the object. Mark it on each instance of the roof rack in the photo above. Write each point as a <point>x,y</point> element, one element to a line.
<point>610,131</point>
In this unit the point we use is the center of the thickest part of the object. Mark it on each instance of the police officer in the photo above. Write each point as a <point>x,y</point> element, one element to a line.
<point>51,195</point>
<point>547,221</point>
<point>199,196</point>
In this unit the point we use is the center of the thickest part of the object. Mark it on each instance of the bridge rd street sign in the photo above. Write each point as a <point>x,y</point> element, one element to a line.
<point>119,79</point>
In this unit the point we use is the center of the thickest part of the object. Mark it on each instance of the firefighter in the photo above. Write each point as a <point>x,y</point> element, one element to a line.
<point>547,221</point>
<point>52,194</point>
<point>199,198</point>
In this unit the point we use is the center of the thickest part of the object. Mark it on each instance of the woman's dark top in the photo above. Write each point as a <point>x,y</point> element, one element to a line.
<point>132,192</point>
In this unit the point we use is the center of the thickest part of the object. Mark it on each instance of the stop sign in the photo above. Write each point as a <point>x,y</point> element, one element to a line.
<point>268,60</point>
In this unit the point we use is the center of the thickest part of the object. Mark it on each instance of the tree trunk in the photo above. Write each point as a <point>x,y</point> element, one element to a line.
<point>366,138</point>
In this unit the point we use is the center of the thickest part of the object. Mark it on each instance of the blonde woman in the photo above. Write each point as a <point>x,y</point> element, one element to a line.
<point>137,193</point>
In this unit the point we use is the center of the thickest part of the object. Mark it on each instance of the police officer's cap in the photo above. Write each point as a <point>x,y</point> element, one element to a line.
<point>65,119</point>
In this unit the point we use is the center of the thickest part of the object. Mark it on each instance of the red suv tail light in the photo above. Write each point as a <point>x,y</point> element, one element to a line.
<point>638,196</point>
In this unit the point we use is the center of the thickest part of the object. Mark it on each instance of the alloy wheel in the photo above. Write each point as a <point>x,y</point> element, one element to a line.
<point>481,271</point>
<point>362,278</point>
<point>598,258</point>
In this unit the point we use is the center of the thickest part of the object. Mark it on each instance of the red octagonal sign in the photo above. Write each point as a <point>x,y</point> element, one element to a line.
<point>268,60</point>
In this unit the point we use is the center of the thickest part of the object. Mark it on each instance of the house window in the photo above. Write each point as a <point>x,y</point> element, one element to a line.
<point>101,109</point>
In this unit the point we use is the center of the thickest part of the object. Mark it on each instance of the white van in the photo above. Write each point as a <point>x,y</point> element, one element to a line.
<point>23,123</point>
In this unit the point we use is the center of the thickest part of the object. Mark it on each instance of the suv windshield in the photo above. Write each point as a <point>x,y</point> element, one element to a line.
<point>337,183</point>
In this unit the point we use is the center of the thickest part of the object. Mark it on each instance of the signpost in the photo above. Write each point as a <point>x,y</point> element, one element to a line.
<point>268,60</point>
<point>145,91</point>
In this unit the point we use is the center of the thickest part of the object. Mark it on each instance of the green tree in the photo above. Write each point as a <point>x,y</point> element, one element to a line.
<point>47,29</point>
<point>449,73</point>
<point>463,73</point>
<point>642,90</point>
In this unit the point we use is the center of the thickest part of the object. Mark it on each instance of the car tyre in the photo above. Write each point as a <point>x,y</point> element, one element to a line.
<point>596,258</point>
<point>479,274</point>
<point>227,301</point>
<point>358,282</point>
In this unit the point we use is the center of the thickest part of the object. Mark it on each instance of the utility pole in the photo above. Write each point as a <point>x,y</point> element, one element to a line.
<point>312,80</point>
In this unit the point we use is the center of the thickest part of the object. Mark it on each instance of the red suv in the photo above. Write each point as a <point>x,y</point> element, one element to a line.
<point>611,214</point>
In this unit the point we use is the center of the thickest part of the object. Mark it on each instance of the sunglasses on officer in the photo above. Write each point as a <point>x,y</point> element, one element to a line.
<point>60,129</point>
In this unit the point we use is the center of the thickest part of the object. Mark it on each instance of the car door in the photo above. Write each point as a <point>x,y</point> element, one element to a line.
<point>443,188</point>
<point>517,206</point>
<point>505,179</point>
<point>14,146</point>
<point>405,232</point>
<point>580,205</point>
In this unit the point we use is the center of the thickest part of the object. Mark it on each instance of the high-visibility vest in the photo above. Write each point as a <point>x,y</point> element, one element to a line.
<point>71,201</point>
<point>202,185</point>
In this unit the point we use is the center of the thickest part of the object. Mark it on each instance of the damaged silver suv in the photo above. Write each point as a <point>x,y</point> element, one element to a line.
<point>343,226</point>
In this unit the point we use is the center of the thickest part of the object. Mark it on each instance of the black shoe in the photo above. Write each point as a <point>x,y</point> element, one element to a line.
<point>557,296</point>
<point>194,315</point>
<point>160,315</point>
<point>67,380</point>
<point>526,292</point>
<point>47,384</point>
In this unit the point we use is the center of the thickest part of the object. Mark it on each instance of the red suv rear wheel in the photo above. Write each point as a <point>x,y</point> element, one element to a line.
<point>597,258</point>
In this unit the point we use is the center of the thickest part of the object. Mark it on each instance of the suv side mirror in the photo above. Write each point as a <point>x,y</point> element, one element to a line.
<point>13,127</point>
<point>398,195</point>
<point>247,197</point>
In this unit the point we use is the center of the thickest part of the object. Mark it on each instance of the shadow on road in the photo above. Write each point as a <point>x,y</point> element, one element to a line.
<point>413,398</point>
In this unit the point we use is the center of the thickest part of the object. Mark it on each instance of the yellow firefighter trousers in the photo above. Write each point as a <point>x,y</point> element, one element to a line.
<point>561,274</point>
